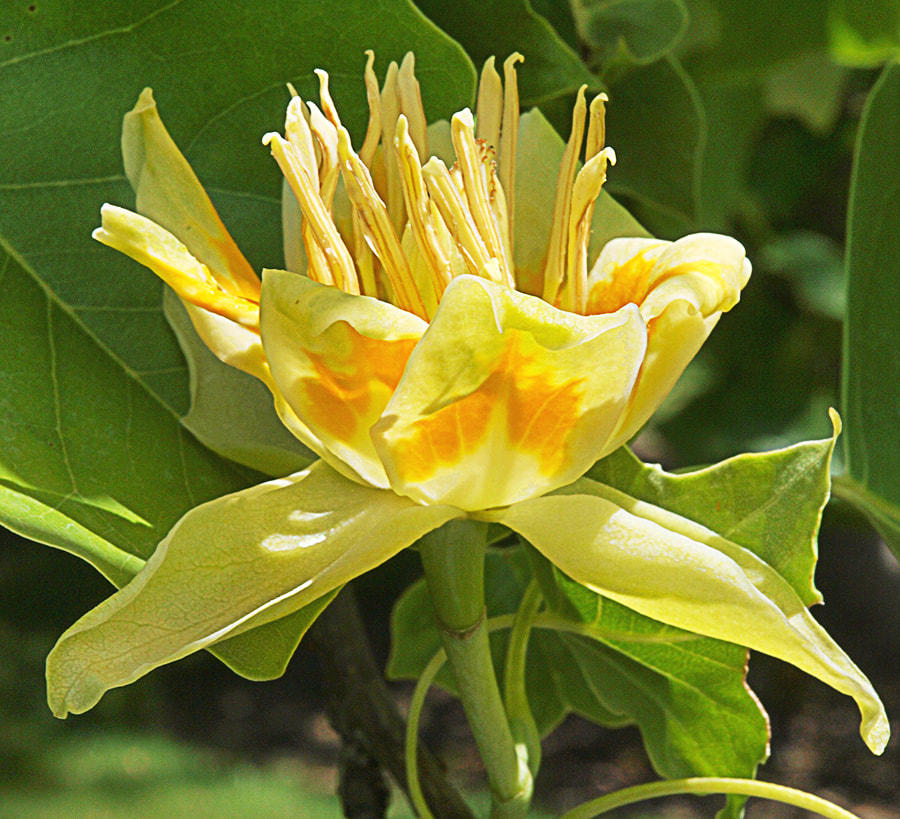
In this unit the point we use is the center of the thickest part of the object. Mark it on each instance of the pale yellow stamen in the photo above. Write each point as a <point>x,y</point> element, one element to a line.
<point>587,188</point>
<point>329,260</point>
<point>489,108</point>
<point>298,133</point>
<point>328,106</point>
<point>377,227</point>
<point>596,138</point>
<point>410,96</point>
<point>509,137</point>
<point>555,266</point>
<point>325,135</point>
<point>424,218</point>
<point>446,194</point>
<point>472,166</point>
<point>373,131</point>
<point>390,111</point>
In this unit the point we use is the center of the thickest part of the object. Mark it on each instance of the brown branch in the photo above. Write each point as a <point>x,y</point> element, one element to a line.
<point>362,711</point>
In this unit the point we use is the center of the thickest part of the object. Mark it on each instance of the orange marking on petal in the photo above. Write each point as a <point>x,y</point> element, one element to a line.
<point>520,396</point>
<point>353,381</point>
<point>628,283</point>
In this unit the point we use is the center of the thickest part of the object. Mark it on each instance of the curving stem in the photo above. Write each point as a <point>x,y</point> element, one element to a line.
<point>453,559</point>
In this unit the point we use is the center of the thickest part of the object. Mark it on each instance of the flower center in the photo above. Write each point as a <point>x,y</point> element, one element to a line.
<point>413,227</point>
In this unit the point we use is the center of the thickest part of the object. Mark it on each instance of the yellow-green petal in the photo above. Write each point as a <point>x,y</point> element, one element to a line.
<point>169,193</point>
<point>336,360</point>
<point>231,564</point>
<point>682,289</point>
<point>170,259</point>
<point>506,397</point>
<point>678,572</point>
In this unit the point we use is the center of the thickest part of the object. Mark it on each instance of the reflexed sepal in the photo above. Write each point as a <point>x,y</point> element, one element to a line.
<point>231,564</point>
<point>679,572</point>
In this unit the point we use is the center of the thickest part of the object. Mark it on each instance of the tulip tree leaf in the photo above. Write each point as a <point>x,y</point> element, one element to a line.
<point>82,437</point>
<point>219,71</point>
<point>686,694</point>
<point>656,125</point>
<point>871,399</point>
<point>94,460</point>
<point>637,30</point>
<point>497,28</point>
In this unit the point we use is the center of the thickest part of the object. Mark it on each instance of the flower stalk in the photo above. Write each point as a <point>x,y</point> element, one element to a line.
<point>453,560</point>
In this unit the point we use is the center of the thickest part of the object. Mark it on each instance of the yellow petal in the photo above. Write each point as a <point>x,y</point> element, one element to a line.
<point>336,359</point>
<point>169,193</point>
<point>506,397</point>
<point>156,248</point>
<point>690,284</point>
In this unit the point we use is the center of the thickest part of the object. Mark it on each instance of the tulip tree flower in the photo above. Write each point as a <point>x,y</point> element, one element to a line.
<point>450,357</point>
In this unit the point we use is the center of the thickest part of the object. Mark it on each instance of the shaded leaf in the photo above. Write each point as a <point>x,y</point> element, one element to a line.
<point>864,32</point>
<point>743,39</point>
<point>813,265</point>
<point>657,127</point>
<point>500,27</point>
<point>871,373</point>
<point>637,30</point>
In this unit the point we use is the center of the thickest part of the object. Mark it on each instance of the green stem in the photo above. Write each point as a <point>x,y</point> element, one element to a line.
<point>453,559</point>
<point>515,695</point>
<point>703,786</point>
<point>412,734</point>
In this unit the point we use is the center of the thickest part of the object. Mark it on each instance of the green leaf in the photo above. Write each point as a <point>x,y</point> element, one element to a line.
<point>656,124</point>
<point>770,503</point>
<point>813,264</point>
<point>734,115</point>
<point>871,372</point>
<point>243,560</point>
<point>686,694</point>
<point>84,441</point>
<point>219,71</point>
<point>742,39</point>
<point>232,413</point>
<point>809,87</point>
<point>864,33</point>
<point>498,28</point>
<point>637,30</point>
